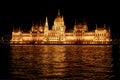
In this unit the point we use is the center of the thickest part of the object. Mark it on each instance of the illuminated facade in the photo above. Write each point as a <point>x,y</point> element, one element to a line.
<point>40,34</point>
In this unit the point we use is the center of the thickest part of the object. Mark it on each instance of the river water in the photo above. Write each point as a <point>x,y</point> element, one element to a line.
<point>62,62</point>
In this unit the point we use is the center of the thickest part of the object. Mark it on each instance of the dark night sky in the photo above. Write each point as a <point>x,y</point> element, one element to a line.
<point>23,13</point>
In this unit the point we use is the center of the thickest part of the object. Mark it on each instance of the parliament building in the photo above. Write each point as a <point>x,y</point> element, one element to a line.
<point>41,34</point>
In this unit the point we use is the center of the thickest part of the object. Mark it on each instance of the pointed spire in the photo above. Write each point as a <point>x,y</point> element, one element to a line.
<point>104,26</point>
<point>19,28</point>
<point>46,26</point>
<point>75,25</point>
<point>109,29</point>
<point>96,26</point>
<point>58,12</point>
<point>46,22</point>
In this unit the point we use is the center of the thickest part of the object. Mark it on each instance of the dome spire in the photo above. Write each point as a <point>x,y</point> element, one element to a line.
<point>58,12</point>
<point>96,26</point>
<point>109,28</point>
<point>104,26</point>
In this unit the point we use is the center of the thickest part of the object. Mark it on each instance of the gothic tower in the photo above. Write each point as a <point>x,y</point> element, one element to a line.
<point>46,26</point>
<point>46,29</point>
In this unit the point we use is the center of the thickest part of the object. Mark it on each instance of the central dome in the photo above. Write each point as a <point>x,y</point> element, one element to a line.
<point>59,19</point>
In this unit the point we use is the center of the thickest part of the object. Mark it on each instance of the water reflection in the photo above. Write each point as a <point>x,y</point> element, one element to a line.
<point>91,62</point>
<point>53,61</point>
<point>4,61</point>
<point>85,62</point>
<point>37,62</point>
<point>116,61</point>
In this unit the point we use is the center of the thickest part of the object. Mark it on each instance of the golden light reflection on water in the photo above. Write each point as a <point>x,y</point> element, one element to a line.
<point>53,61</point>
<point>61,62</point>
